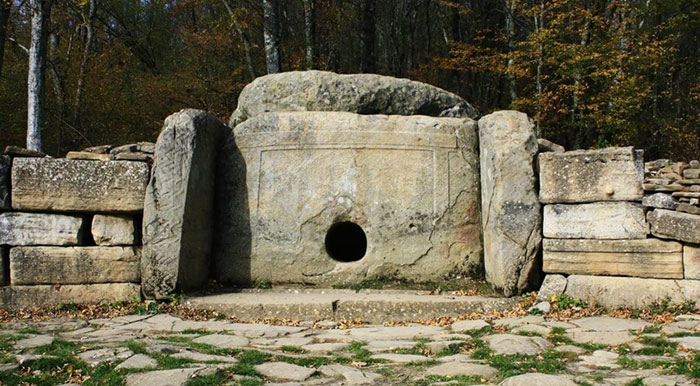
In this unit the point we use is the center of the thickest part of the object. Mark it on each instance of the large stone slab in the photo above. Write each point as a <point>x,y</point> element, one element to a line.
<point>15,297</point>
<point>611,291</point>
<point>74,265</point>
<point>691,261</point>
<point>410,186</point>
<point>355,93</point>
<point>638,258</point>
<point>78,186</point>
<point>601,220</point>
<point>613,174</point>
<point>179,206</point>
<point>110,230</point>
<point>40,229</point>
<point>5,168</point>
<point>511,217</point>
<point>668,224</point>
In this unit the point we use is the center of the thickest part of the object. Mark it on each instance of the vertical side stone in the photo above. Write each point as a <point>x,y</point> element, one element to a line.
<point>178,210</point>
<point>691,261</point>
<point>5,168</point>
<point>511,216</point>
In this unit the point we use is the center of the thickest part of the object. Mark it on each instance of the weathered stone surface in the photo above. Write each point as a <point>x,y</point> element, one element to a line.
<point>691,261</point>
<point>40,229</point>
<point>128,148</point>
<point>674,225</point>
<point>537,379</point>
<point>352,375</point>
<point>638,258</point>
<point>468,325</point>
<point>146,147</point>
<point>5,192</point>
<point>105,355</point>
<point>688,208</point>
<point>601,220</point>
<point>284,371</point>
<point>289,177</point>
<point>15,297</point>
<point>76,185</point>
<point>134,157</point>
<point>545,145</point>
<point>356,93</point>
<point>402,358</point>
<point>108,230</point>
<point>33,342</point>
<point>553,285</point>
<point>223,341</point>
<point>89,156</point>
<point>138,361</point>
<point>74,265</point>
<point>199,357</point>
<point>607,323</point>
<point>688,342</point>
<point>613,174</point>
<point>462,369</point>
<point>179,205</point>
<point>175,377</point>
<point>100,149</point>
<point>508,344</point>
<point>610,338</point>
<point>691,173</point>
<point>610,291</point>
<point>660,201</point>
<point>4,266</point>
<point>511,211</point>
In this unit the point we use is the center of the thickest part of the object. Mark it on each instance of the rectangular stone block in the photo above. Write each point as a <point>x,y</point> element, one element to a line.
<point>613,174</point>
<point>74,265</point>
<point>78,185</point>
<point>15,297</point>
<point>668,224</point>
<point>4,266</point>
<point>110,230</point>
<point>601,220</point>
<point>20,229</point>
<point>691,261</point>
<point>5,166</point>
<point>639,258</point>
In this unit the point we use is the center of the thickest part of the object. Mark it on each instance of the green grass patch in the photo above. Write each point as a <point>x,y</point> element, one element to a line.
<point>549,362</point>
<point>635,382</point>
<point>453,381</point>
<point>59,348</point>
<point>292,349</point>
<point>137,347</point>
<point>452,349</point>
<point>657,346</point>
<point>253,357</point>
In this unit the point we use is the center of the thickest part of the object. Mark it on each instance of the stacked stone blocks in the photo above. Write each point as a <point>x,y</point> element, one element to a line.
<point>602,231</point>
<point>69,230</point>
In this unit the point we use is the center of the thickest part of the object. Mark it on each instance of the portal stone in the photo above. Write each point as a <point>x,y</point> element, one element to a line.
<point>511,210</point>
<point>354,93</point>
<point>179,207</point>
<point>328,197</point>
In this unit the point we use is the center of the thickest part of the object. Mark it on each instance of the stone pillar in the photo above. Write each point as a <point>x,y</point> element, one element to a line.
<point>511,216</point>
<point>179,206</point>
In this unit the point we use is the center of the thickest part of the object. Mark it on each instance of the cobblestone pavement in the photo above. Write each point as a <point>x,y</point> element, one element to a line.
<point>531,350</point>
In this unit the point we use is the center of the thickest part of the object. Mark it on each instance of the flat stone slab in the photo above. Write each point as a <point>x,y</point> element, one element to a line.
<point>104,355</point>
<point>223,341</point>
<point>637,258</point>
<point>199,357</point>
<point>284,371</point>
<point>73,185</point>
<point>669,224</point>
<point>175,377</point>
<point>469,325</point>
<point>18,228</point>
<point>323,348</point>
<point>352,375</point>
<point>688,342</point>
<point>456,369</point>
<point>74,265</point>
<point>401,358</point>
<point>373,306</point>
<point>691,261</point>
<point>612,174</point>
<point>14,297</point>
<point>33,342</point>
<point>606,323</point>
<point>138,361</point>
<point>536,379</point>
<point>610,338</point>
<point>600,220</point>
<point>508,344</point>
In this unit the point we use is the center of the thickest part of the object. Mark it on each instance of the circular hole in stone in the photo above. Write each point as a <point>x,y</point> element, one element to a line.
<point>346,242</point>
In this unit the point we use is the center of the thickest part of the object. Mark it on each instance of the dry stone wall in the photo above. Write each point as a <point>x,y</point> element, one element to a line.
<point>618,231</point>
<point>70,228</point>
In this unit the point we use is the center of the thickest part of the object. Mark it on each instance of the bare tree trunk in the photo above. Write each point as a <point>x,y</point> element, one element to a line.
<point>244,39</point>
<point>4,19</point>
<point>368,36</point>
<point>36,82</point>
<point>310,32</point>
<point>89,38</point>
<point>510,31</point>
<point>539,25</point>
<point>273,56</point>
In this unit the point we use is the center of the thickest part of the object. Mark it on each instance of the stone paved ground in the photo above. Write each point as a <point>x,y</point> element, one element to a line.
<point>528,350</point>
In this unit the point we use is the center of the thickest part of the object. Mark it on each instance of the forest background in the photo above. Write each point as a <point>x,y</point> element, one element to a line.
<point>591,73</point>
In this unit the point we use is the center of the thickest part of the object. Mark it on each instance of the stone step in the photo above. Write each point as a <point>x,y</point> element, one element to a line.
<point>373,306</point>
